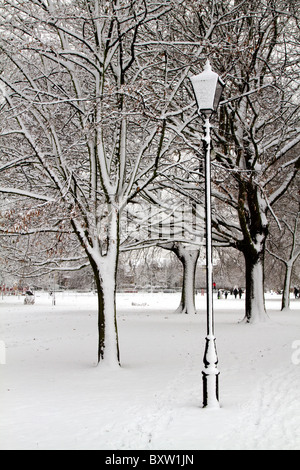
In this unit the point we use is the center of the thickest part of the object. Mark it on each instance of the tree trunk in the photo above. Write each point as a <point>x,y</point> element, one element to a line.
<point>255,297</point>
<point>287,286</point>
<point>108,342</point>
<point>189,258</point>
<point>252,211</point>
<point>105,273</point>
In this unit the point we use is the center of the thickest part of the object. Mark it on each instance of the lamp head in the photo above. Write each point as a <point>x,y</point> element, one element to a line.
<point>208,88</point>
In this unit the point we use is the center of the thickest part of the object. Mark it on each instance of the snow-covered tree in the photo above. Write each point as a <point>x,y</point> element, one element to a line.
<point>284,240</point>
<point>82,121</point>
<point>257,156</point>
<point>253,46</point>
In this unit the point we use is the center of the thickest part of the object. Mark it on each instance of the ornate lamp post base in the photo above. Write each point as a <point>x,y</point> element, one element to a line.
<point>211,375</point>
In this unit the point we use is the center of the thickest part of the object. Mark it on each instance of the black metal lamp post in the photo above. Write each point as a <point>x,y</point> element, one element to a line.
<point>208,88</point>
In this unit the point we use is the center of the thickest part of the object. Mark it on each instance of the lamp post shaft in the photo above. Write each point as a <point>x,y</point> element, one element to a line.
<point>210,372</point>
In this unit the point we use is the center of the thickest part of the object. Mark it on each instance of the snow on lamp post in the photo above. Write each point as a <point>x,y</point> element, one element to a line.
<point>208,88</point>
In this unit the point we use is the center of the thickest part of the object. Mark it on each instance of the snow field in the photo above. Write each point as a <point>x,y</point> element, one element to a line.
<point>54,397</point>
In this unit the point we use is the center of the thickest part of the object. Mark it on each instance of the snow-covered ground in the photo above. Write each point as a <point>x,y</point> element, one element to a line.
<point>52,395</point>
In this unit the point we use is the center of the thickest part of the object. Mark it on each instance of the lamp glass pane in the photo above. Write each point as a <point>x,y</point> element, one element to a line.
<point>218,94</point>
<point>204,90</point>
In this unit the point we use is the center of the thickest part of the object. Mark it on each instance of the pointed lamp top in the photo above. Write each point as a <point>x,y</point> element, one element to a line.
<point>207,67</point>
<point>208,88</point>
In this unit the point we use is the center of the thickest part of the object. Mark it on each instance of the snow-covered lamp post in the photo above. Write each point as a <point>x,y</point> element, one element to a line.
<point>208,88</point>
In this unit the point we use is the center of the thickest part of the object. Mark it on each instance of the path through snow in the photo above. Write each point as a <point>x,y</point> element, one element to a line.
<point>271,419</point>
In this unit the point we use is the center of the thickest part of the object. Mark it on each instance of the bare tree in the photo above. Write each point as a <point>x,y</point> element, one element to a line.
<point>80,111</point>
<point>284,240</point>
<point>253,46</point>
<point>255,162</point>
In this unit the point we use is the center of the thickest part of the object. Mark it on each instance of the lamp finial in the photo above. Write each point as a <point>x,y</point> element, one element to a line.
<point>207,67</point>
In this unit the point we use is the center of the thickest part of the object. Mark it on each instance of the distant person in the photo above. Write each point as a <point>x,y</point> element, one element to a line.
<point>296,293</point>
<point>240,292</point>
<point>235,292</point>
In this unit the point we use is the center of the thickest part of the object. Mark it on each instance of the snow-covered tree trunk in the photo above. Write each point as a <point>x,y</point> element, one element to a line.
<point>285,305</point>
<point>188,258</point>
<point>104,261</point>
<point>255,297</point>
<point>252,210</point>
<point>108,347</point>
